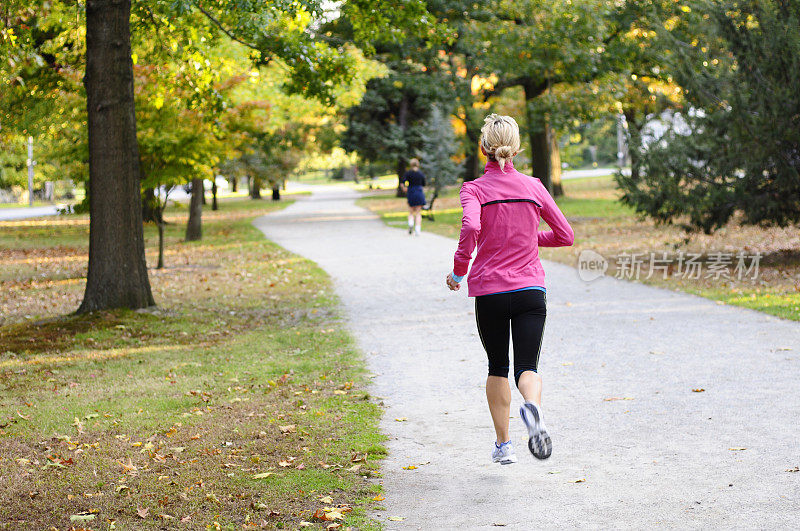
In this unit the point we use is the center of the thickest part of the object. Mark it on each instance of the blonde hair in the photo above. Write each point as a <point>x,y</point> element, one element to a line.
<point>414,163</point>
<point>500,138</point>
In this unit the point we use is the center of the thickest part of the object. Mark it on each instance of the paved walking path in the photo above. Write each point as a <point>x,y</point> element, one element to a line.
<point>657,455</point>
<point>11,213</point>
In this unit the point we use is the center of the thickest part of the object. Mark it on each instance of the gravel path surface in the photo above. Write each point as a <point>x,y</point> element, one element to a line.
<point>633,445</point>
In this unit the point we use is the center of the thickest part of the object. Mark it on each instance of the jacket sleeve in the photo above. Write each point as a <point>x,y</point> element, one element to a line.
<point>561,234</point>
<point>470,229</point>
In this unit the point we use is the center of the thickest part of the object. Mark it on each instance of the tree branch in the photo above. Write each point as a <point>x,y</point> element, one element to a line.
<point>224,30</point>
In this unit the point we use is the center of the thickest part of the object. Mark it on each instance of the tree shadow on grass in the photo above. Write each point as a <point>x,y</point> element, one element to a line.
<point>51,335</point>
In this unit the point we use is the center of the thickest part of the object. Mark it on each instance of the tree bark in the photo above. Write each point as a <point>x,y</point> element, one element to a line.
<point>234,184</point>
<point>214,205</point>
<point>117,274</point>
<point>160,245</point>
<point>546,159</point>
<point>276,192</point>
<point>545,153</point>
<point>255,188</point>
<point>472,165</point>
<point>194,227</point>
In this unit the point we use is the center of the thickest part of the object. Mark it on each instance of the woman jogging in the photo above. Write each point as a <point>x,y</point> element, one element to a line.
<point>502,210</point>
<point>414,182</point>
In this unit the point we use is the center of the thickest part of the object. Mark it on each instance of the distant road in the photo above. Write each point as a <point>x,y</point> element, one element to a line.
<point>7,214</point>
<point>594,172</point>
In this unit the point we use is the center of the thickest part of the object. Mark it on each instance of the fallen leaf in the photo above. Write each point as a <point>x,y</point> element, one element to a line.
<point>378,498</point>
<point>289,428</point>
<point>613,398</point>
<point>121,488</point>
<point>333,526</point>
<point>581,480</point>
<point>142,512</point>
<point>262,475</point>
<point>84,516</point>
<point>737,449</point>
<point>795,469</point>
<point>354,468</point>
<point>565,364</point>
<point>326,499</point>
<point>396,518</point>
<point>284,463</point>
<point>410,467</point>
<point>699,390</point>
<point>401,419</point>
<point>303,523</point>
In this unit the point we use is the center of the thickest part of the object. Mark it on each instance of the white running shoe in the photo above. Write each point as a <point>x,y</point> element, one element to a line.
<point>538,439</point>
<point>504,454</point>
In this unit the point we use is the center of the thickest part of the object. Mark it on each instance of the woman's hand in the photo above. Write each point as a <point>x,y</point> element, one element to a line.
<point>452,284</point>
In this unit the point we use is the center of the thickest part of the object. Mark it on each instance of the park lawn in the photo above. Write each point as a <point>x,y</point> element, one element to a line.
<point>604,225</point>
<point>238,403</point>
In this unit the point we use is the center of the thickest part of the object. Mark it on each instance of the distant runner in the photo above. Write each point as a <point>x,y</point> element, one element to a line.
<point>502,211</point>
<point>414,184</point>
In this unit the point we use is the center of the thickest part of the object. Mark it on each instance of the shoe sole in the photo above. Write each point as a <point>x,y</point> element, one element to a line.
<point>506,460</point>
<point>538,439</point>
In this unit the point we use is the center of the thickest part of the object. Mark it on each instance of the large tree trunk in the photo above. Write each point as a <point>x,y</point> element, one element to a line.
<point>194,227</point>
<point>276,192</point>
<point>117,275</point>
<point>235,184</point>
<point>546,159</point>
<point>473,168</point>
<point>545,154</point>
<point>214,205</point>
<point>255,188</point>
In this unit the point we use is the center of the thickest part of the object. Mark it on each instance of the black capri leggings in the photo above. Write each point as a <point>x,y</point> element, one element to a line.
<point>525,311</point>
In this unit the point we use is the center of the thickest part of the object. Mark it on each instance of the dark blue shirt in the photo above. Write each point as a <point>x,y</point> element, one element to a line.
<point>413,178</point>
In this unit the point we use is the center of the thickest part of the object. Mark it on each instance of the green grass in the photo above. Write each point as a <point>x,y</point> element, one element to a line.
<point>774,302</point>
<point>243,368</point>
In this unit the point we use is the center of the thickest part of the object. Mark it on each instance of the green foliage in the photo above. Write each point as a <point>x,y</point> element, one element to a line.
<point>387,125</point>
<point>437,150</point>
<point>741,152</point>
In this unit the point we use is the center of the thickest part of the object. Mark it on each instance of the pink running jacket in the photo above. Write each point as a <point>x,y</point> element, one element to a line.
<point>501,214</point>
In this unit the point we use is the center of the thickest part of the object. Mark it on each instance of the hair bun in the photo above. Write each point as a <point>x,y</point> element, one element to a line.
<point>504,152</point>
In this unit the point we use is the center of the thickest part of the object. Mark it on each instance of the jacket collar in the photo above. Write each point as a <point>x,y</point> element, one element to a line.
<point>493,165</point>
